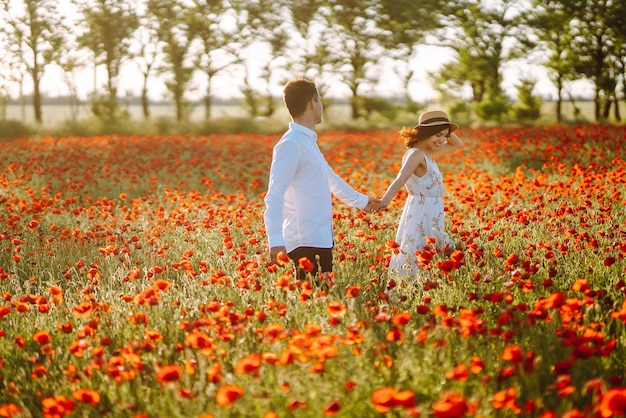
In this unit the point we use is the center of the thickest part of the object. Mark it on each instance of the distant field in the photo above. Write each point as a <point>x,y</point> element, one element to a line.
<point>55,115</point>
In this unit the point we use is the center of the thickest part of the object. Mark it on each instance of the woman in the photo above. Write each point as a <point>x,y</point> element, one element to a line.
<point>423,215</point>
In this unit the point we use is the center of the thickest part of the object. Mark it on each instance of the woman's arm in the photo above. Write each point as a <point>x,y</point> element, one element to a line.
<point>414,160</point>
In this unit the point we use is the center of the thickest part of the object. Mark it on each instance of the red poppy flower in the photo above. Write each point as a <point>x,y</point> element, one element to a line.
<point>306,264</point>
<point>424,257</point>
<point>57,406</point>
<point>383,399</point>
<point>9,410</point>
<point>613,403</point>
<point>393,246</point>
<point>446,266</point>
<point>404,398</point>
<point>336,309</point>
<point>506,399</point>
<point>89,396</point>
<point>511,260</point>
<point>161,284</point>
<point>512,353</point>
<point>228,394</point>
<point>450,405</point>
<point>581,285</point>
<point>249,365</point>
<point>554,301</point>
<point>331,409</point>
<point>609,261</point>
<point>401,319</point>
<point>283,281</point>
<point>394,335</point>
<point>42,337</point>
<point>169,373</point>
<point>477,365</point>
<point>353,291</point>
<point>460,373</point>
<point>282,259</point>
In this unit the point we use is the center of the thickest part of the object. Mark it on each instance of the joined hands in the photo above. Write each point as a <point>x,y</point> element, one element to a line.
<point>374,205</point>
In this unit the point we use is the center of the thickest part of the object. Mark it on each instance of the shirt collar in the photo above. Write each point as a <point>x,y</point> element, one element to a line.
<point>303,129</point>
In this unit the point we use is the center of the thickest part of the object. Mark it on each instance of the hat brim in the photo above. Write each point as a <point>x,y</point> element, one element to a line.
<point>453,126</point>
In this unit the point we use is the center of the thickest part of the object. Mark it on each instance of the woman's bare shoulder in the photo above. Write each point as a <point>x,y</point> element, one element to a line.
<point>414,154</point>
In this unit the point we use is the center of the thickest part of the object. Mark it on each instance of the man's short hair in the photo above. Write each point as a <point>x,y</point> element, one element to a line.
<point>297,94</point>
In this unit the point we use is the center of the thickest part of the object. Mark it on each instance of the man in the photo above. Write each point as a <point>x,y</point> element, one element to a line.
<point>298,215</point>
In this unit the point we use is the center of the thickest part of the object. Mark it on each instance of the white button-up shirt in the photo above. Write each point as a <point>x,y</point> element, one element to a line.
<point>298,200</point>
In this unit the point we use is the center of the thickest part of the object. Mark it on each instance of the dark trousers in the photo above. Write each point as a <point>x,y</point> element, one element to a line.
<point>322,259</point>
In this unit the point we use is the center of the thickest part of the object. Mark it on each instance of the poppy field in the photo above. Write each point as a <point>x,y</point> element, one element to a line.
<point>135,282</point>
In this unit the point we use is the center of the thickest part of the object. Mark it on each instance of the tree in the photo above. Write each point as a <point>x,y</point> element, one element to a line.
<point>550,23</point>
<point>594,47</point>
<point>358,41</point>
<point>266,24</point>
<point>529,105</point>
<point>175,30</point>
<point>109,27</point>
<point>617,21</point>
<point>11,72</point>
<point>36,35</point>
<point>317,62</point>
<point>477,31</point>
<point>218,46</point>
<point>405,24</point>
<point>146,58</point>
<point>5,84</point>
<point>70,63</point>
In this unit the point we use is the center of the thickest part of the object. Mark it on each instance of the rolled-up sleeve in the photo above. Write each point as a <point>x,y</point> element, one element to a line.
<point>285,160</point>
<point>344,192</point>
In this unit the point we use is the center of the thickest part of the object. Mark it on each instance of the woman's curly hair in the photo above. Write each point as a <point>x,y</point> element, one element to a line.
<point>412,136</point>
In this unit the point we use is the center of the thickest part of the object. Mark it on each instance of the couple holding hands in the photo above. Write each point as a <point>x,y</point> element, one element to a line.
<point>298,216</point>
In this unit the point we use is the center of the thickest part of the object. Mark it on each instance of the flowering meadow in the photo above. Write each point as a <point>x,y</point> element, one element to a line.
<point>136,282</point>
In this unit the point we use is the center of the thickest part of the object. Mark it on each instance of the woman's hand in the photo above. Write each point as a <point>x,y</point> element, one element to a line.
<point>374,205</point>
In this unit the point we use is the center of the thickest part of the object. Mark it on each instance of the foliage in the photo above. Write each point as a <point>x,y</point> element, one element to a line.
<point>107,110</point>
<point>357,45</point>
<point>188,46</point>
<point>34,37</point>
<point>109,28</point>
<point>493,108</point>
<point>176,35</point>
<point>383,107</point>
<point>219,45</point>
<point>265,24</point>
<point>480,34</point>
<point>10,129</point>
<point>549,22</point>
<point>135,281</point>
<point>528,107</point>
<point>462,112</point>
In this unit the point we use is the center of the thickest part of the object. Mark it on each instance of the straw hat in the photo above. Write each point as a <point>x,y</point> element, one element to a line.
<point>435,118</point>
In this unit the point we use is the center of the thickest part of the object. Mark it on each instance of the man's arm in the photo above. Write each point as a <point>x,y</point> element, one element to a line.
<point>285,159</point>
<point>344,192</point>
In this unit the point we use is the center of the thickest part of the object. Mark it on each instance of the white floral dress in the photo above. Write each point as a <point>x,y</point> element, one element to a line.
<point>422,217</point>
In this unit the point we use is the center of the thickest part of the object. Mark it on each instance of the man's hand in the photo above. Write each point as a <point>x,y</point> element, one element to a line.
<point>274,251</point>
<point>374,205</point>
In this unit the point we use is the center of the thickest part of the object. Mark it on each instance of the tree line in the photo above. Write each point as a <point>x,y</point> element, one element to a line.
<point>329,41</point>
